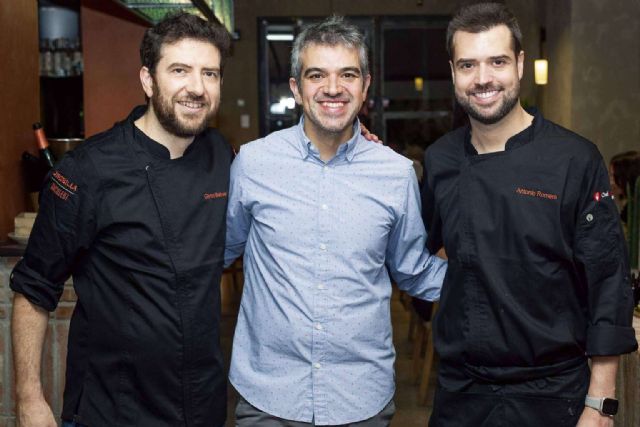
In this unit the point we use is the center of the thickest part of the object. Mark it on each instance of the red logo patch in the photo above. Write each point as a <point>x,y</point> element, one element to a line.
<point>601,195</point>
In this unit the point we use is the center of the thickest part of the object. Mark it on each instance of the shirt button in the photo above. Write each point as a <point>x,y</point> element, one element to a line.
<point>317,365</point>
<point>323,246</point>
<point>325,207</point>
<point>589,217</point>
<point>318,326</point>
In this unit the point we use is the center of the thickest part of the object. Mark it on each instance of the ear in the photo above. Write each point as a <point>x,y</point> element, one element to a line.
<point>520,64</point>
<point>366,84</point>
<point>147,81</point>
<point>453,74</point>
<point>293,85</point>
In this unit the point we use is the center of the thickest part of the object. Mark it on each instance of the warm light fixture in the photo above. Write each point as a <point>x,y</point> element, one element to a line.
<point>541,68</point>
<point>418,83</point>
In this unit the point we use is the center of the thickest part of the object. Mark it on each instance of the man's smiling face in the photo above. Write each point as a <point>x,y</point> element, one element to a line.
<point>486,73</point>
<point>332,89</point>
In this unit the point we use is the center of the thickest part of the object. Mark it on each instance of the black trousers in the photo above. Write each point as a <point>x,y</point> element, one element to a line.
<point>554,401</point>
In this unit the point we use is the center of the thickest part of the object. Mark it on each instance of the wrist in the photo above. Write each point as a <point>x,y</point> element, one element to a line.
<point>29,394</point>
<point>606,406</point>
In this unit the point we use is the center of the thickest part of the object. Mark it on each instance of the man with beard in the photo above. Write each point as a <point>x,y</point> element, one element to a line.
<point>538,280</point>
<point>137,215</point>
<point>320,215</point>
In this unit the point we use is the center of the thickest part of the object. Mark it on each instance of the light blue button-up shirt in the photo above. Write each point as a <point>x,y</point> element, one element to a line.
<point>313,338</point>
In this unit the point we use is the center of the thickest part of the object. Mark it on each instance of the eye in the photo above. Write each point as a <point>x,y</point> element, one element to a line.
<point>315,76</point>
<point>499,62</point>
<point>178,71</point>
<point>465,66</point>
<point>349,75</point>
<point>212,74</point>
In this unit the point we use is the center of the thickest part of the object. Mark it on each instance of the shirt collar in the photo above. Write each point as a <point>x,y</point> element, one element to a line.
<point>346,149</point>
<point>518,140</point>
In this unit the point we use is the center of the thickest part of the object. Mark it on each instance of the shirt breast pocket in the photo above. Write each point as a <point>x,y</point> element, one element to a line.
<point>598,235</point>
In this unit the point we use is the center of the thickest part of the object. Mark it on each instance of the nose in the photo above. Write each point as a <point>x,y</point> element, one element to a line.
<point>484,74</point>
<point>333,86</point>
<point>195,84</point>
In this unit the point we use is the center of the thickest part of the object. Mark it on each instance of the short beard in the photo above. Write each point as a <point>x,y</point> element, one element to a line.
<point>507,105</point>
<point>167,118</point>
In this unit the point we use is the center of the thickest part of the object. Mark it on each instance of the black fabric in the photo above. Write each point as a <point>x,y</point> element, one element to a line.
<point>538,277</point>
<point>143,237</point>
<point>554,402</point>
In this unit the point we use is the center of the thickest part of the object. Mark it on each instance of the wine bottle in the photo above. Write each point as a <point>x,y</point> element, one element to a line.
<point>43,145</point>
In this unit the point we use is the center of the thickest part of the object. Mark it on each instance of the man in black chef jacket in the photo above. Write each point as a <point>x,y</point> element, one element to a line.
<point>538,279</point>
<point>137,215</point>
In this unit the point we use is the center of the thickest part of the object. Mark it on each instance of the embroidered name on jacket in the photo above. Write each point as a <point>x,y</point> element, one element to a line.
<point>61,186</point>
<point>220,195</point>
<point>536,193</point>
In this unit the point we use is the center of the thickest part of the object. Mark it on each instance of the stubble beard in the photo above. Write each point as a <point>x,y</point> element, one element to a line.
<point>170,121</point>
<point>508,103</point>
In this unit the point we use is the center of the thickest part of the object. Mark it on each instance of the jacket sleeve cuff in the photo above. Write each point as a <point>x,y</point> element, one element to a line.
<point>610,340</point>
<point>34,287</point>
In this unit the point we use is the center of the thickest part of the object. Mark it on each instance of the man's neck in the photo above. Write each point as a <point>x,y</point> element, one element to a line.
<point>151,127</point>
<point>327,143</point>
<point>493,138</point>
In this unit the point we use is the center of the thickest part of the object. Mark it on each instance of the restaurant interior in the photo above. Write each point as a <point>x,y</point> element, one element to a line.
<point>72,65</point>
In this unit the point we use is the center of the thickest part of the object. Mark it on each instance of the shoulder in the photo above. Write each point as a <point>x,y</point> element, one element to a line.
<point>368,151</point>
<point>565,143</point>
<point>447,148</point>
<point>276,143</point>
<point>218,143</point>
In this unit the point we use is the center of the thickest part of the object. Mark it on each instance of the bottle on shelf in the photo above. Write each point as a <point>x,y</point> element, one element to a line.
<point>43,145</point>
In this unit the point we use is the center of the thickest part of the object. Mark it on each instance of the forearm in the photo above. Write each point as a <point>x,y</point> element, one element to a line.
<point>28,329</point>
<point>603,376</point>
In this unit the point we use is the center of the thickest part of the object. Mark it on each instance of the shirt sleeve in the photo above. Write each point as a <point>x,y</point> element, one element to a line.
<point>430,211</point>
<point>602,261</point>
<point>62,232</point>
<point>412,266</point>
<point>238,218</point>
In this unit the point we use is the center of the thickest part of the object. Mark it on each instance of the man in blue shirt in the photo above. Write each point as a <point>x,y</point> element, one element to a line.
<point>323,216</point>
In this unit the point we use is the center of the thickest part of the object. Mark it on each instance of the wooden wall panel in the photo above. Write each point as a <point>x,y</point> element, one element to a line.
<point>111,38</point>
<point>20,98</point>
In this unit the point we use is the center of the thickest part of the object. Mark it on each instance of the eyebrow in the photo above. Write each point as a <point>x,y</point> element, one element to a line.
<point>180,64</point>
<point>492,58</point>
<point>311,70</point>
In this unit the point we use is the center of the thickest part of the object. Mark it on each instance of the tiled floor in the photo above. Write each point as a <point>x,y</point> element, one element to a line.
<point>408,412</point>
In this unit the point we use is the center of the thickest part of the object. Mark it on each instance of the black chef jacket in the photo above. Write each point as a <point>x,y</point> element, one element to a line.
<point>538,277</point>
<point>143,237</point>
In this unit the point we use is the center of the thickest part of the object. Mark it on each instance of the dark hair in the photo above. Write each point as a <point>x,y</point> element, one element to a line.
<point>626,170</point>
<point>333,31</point>
<point>178,26</point>
<point>479,17</point>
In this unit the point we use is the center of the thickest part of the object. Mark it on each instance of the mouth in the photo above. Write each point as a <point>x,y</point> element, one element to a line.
<point>192,105</point>
<point>333,106</point>
<point>485,96</point>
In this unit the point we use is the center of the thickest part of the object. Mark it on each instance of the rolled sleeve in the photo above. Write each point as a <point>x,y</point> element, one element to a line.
<point>602,261</point>
<point>412,266</point>
<point>62,230</point>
